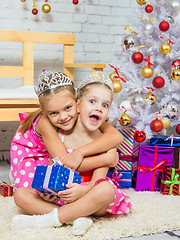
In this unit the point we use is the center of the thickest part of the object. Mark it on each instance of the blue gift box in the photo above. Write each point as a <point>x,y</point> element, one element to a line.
<point>123,178</point>
<point>52,179</point>
<point>165,141</point>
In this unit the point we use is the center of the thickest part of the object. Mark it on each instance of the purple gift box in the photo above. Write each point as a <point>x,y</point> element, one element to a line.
<point>151,163</point>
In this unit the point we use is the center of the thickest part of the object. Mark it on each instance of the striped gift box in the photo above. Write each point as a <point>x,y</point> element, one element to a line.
<point>128,150</point>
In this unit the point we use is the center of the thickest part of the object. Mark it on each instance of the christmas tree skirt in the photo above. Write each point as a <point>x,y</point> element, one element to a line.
<point>151,213</point>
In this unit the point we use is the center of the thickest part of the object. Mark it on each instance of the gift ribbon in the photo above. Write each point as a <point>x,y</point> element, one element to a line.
<point>172,137</point>
<point>150,88</point>
<point>56,162</point>
<point>116,177</point>
<point>168,40</point>
<point>174,180</point>
<point>148,61</point>
<point>156,167</point>
<point>128,158</point>
<point>118,77</point>
<point>71,173</point>
<point>46,179</point>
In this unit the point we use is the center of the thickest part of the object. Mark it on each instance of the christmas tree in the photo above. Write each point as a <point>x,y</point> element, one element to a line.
<point>147,71</point>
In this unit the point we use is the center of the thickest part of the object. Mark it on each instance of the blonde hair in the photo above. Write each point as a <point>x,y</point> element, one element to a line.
<point>83,90</point>
<point>31,117</point>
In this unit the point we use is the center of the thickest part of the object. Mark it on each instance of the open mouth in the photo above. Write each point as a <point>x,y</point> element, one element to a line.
<point>94,119</point>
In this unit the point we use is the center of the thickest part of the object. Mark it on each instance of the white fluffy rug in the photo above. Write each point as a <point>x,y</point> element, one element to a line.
<point>151,213</point>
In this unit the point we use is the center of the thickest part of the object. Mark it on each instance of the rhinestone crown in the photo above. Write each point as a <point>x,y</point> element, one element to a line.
<point>97,77</point>
<point>48,80</point>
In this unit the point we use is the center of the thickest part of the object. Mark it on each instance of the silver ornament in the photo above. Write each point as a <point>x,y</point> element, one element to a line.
<point>128,42</point>
<point>148,28</point>
<point>137,101</point>
<point>171,109</point>
<point>175,5</point>
<point>171,19</point>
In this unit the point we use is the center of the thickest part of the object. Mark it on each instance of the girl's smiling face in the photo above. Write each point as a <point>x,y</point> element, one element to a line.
<point>94,106</point>
<point>61,109</point>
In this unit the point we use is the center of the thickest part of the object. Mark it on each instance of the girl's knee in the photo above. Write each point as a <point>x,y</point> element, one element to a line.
<point>19,196</point>
<point>105,191</point>
<point>22,196</point>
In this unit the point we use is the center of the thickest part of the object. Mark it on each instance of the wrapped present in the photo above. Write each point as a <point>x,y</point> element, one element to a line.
<point>170,182</point>
<point>176,162</point>
<point>165,141</point>
<point>151,163</point>
<point>128,150</point>
<point>6,190</point>
<point>122,179</point>
<point>52,179</point>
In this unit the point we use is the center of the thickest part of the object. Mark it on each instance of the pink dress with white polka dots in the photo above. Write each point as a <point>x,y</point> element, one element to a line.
<point>27,151</point>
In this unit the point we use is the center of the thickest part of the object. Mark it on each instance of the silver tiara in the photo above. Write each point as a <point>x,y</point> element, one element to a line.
<point>95,77</point>
<point>49,80</point>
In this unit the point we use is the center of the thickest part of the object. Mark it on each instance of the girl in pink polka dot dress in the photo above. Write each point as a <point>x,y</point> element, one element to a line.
<point>97,197</point>
<point>27,151</point>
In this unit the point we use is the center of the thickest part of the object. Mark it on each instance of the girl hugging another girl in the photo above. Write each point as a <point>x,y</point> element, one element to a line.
<point>78,127</point>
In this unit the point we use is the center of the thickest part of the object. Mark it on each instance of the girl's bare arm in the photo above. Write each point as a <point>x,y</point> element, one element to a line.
<point>51,138</point>
<point>110,139</point>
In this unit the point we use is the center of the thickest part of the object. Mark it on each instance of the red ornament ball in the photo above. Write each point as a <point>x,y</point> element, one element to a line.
<point>149,8</point>
<point>164,26</point>
<point>75,2</point>
<point>178,129</point>
<point>177,63</point>
<point>139,136</point>
<point>137,57</point>
<point>158,82</point>
<point>34,11</point>
<point>156,125</point>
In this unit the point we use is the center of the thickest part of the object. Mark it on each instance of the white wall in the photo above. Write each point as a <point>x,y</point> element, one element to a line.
<point>96,24</point>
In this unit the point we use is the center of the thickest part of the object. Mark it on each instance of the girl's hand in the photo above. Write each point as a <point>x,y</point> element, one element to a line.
<point>73,192</point>
<point>49,197</point>
<point>72,160</point>
<point>112,157</point>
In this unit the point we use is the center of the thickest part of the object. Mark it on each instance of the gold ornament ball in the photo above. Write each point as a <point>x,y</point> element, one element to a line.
<point>165,48</point>
<point>147,72</point>
<point>151,97</point>
<point>111,75</point>
<point>117,86</point>
<point>166,122</point>
<point>23,0</point>
<point>46,8</point>
<point>124,119</point>
<point>175,74</point>
<point>141,2</point>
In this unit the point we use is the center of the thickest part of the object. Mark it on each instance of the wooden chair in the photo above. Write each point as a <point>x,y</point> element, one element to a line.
<point>9,108</point>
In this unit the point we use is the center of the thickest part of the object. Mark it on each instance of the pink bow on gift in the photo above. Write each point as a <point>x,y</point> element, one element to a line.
<point>115,177</point>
